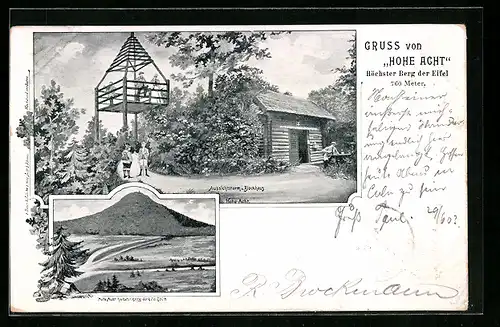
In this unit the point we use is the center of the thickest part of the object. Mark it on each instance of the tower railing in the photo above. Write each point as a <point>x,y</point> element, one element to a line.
<point>135,91</point>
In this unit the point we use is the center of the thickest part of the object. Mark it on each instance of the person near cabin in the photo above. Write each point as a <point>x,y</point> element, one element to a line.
<point>126,161</point>
<point>143,159</point>
<point>328,153</point>
<point>141,86</point>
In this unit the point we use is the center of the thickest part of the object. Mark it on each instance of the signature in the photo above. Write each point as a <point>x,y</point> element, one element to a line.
<point>390,215</point>
<point>347,213</point>
<point>293,285</point>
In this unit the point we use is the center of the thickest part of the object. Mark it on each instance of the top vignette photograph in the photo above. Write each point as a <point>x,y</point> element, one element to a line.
<point>258,117</point>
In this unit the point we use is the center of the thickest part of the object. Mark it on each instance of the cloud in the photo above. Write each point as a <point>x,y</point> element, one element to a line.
<point>204,213</point>
<point>191,205</point>
<point>199,209</point>
<point>69,51</point>
<point>303,61</point>
<point>72,212</point>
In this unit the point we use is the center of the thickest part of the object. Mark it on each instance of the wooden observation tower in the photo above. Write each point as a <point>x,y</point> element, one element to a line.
<point>128,91</point>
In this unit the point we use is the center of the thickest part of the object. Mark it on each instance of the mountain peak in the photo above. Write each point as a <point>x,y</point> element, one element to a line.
<point>137,214</point>
<point>135,198</point>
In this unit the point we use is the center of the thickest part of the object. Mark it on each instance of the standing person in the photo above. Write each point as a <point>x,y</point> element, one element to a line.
<point>134,167</point>
<point>143,158</point>
<point>141,86</point>
<point>155,86</point>
<point>329,152</point>
<point>112,94</point>
<point>126,161</point>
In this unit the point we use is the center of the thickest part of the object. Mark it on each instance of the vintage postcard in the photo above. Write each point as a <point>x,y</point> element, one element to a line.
<point>238,168</point>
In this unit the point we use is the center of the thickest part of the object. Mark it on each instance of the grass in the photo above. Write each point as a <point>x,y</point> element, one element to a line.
<point>193,251</point>
<point>346,172</point>
<point>184,252</point>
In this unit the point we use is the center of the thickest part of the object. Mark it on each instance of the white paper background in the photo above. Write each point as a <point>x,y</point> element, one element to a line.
<point>272,240</point>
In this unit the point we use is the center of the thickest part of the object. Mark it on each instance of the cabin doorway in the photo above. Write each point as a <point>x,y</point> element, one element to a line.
<point>299,150</point>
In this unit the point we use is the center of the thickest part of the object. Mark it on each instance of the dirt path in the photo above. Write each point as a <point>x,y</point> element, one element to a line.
<point>105,253</point>
<point>304,184</point>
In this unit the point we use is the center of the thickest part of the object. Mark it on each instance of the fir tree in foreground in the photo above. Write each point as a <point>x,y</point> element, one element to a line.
<point>115,284</point>
<point>63,263</point>
<point>100,287</point>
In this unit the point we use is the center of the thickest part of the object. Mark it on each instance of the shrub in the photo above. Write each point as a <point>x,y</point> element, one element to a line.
<point>225,166</point>
<point>218,135</point>
<point>266,166</point>
<point>346,170</point>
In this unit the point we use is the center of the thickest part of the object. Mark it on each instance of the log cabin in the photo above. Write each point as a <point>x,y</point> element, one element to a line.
<point>293,128</point>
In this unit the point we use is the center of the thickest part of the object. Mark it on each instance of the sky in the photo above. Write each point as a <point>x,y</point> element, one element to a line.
<point>201,209</point>
<point>300,62</point>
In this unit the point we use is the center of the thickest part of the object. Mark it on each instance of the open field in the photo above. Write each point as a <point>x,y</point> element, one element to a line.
<point>183,281</point>
<point>152,256</point>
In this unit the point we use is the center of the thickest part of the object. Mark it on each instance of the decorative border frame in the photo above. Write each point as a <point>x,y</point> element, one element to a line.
<point>187,28</point>
<point>138,186</point>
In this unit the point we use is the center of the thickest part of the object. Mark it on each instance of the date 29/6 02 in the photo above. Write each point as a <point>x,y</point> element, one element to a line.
<point>441,217</point>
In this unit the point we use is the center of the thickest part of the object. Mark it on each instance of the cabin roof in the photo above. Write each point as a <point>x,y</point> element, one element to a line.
<point>277,102</point>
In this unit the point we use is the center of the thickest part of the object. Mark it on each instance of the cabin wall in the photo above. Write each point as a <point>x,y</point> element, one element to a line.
<point>315,146</point>
<point>279,126</point>
<point>263,141</point>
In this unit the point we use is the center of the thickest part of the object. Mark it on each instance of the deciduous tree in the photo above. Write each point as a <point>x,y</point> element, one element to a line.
<point>53,124</point>
<point>340,100</point>
<point>206,55</point>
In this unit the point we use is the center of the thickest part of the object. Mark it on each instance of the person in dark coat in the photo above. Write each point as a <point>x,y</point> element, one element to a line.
<point>142,89</point>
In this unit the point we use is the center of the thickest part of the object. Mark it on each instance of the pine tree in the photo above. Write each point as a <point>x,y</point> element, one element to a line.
<point>108,285</point>
<point>100,287</point>
<point>63,261</point>
<point>101,160</point>
<point>115,284</point>
<point>88,139</point>
<point>76,169</point>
